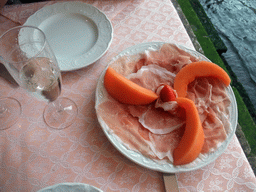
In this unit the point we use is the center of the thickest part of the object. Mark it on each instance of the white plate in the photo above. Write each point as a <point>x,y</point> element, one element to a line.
<point>71,187</point>
<point>78,33</point>
<point>145,161</point>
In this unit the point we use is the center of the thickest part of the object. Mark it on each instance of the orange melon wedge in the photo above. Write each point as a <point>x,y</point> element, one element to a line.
<point>126,91</point>
<point>198,69</point>
<point>192,140</point>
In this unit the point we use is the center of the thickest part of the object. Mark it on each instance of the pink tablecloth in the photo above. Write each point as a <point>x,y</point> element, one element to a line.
<point>33,156</point>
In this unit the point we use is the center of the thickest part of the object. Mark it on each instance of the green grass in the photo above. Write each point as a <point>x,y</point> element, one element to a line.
<point>246,122</point>
<point>209,44</point>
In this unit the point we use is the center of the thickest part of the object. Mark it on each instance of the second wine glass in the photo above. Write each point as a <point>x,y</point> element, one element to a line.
<point>30,60</point>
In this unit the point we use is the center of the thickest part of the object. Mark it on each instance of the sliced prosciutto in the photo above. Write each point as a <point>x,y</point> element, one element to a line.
<point>129,131</point>
<point>212,101</point>
<point>168,56</point>
<point>156,120</point>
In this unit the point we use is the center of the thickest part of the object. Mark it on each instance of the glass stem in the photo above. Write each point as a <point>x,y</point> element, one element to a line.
<point>57,104</point>
<point>60,108</point>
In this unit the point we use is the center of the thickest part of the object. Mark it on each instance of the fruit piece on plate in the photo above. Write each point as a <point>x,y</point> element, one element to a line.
<point>198,69</point>
<point>167,94</point>
<point>192,140</point>
<point>126,91</point>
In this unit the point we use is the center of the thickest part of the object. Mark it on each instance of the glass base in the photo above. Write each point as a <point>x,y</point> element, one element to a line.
<point>10,110</point>
<point>60,114</point>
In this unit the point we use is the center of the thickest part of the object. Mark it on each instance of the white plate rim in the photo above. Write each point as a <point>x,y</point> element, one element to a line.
<point>54,187</point>
<point>104,26</point>
<point>145,161</point>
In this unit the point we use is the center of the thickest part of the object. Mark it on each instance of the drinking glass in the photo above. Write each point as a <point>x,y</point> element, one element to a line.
<point>28,57</point>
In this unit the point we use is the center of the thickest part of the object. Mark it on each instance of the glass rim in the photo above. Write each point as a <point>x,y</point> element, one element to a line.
<point>20,27</point>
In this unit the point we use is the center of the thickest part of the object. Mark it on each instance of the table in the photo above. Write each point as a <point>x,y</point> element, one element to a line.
<point>33,156</point>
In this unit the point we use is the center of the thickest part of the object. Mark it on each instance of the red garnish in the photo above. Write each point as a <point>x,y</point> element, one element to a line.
<point>167,94</point>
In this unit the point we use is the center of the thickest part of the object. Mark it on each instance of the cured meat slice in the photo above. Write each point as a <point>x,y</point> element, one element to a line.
<point>211,100</point>
<point>152,76</point>
<point>214,132</point>
<point>163,145</point>
<point>126,65</point>
<point>156,120</point>
<point>127,128</point>
<point>169,57</point>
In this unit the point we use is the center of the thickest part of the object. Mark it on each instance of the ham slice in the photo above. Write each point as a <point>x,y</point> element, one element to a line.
<point>211,99</point>
<point>163,145</point>
<point>155,130</point>
<point>168,56</point>
<point>156,120</point>
<point>152,76</point>
<point>129,131</point>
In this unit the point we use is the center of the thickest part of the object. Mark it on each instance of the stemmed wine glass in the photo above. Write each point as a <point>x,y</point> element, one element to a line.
<point>28,57</point>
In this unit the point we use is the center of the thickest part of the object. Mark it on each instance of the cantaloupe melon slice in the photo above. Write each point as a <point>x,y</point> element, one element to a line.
<point>192,140</point>
<point>126,91</point>
<point>198,69</point>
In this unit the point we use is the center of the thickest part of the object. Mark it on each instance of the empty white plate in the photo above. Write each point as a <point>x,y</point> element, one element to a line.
<point>78,33</point>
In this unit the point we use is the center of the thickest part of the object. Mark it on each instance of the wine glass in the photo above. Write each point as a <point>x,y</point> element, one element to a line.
<point>30,60</point>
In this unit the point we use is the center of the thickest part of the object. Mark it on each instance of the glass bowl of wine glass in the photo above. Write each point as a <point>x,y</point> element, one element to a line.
<point>28,57</point>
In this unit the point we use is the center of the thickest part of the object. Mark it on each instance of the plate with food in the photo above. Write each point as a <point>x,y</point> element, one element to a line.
<point>166,107</point>
<point>78,33</point>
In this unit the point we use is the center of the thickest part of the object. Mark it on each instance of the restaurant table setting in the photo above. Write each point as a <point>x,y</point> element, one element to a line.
<point>85,37</point>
